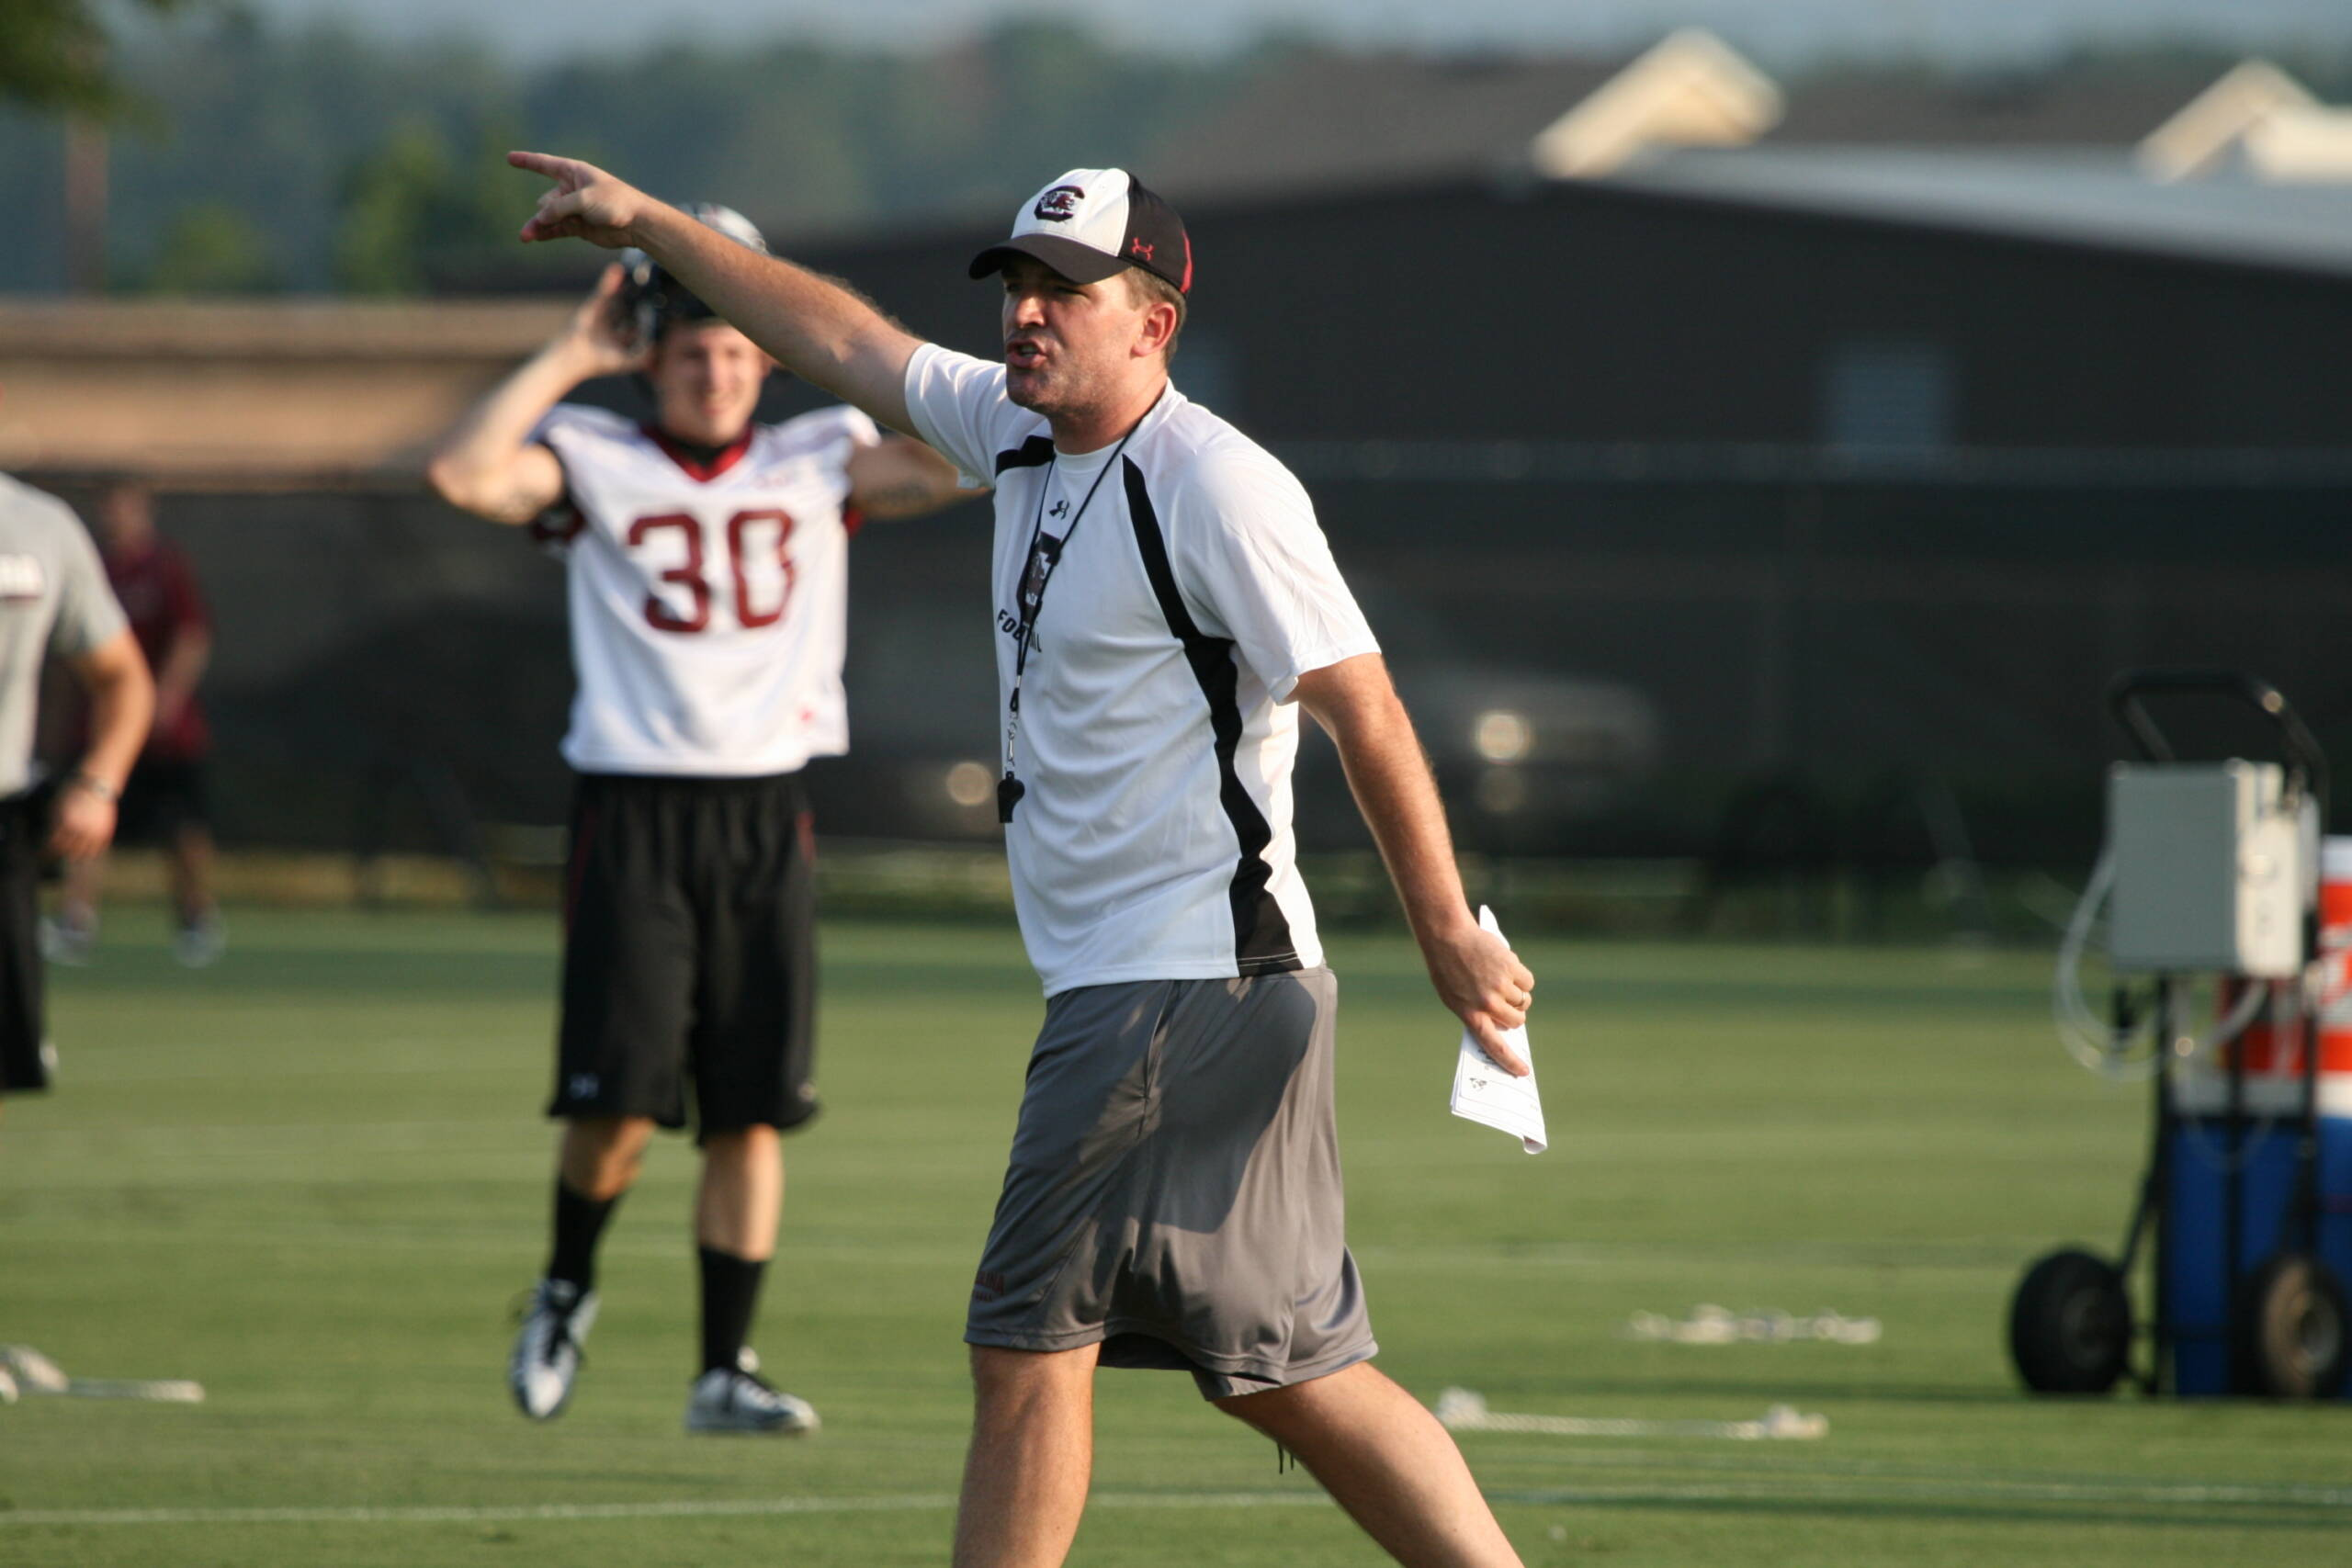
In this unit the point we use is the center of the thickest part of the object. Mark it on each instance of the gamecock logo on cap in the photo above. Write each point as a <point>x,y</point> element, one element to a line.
<point>1059,204</point>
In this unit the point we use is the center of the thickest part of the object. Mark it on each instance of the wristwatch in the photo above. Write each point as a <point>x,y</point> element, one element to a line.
<point>95,785</point>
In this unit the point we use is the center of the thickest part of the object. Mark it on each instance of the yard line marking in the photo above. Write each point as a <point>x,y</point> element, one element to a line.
<point>1776,1488</point>
<point>912,1502</point>
<point>1813,1489</point>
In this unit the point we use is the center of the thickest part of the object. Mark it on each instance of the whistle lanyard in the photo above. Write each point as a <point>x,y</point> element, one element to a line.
<point>1041,563</point>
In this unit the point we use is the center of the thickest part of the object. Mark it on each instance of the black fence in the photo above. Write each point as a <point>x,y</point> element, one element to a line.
<point>1741,653</point>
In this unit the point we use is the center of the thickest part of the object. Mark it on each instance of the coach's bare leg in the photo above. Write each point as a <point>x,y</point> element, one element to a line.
<point>600,1156</point>
<point>741,1197</point>
<point>1387,1462</point>
<point>1032,1456</point>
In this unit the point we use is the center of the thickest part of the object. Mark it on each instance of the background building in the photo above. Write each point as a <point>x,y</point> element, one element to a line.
<point>1723,461</point>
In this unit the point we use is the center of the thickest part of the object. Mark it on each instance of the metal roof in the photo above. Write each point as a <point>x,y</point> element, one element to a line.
<point>1344,122</point>
<point>2097,197</point>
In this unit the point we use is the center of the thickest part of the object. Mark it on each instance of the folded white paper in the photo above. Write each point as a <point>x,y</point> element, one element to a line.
<point>1484,1093</point>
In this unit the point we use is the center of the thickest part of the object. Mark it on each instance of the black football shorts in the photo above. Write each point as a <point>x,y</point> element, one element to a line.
<point>24,825</point>
<point>689,953</point>
<point>161,799</point>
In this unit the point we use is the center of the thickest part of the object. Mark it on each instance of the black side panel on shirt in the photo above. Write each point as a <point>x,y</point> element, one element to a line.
<point>1262,939</point>
<point>1034,453</point>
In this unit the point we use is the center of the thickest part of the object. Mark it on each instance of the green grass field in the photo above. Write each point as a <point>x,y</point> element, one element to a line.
<point>314,1179</point>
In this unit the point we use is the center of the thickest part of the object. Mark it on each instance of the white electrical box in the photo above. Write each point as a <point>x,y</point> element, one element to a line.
<point>2212,870</point>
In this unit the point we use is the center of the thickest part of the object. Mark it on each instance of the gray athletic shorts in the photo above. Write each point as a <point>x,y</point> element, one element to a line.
<point>1174,1189</point>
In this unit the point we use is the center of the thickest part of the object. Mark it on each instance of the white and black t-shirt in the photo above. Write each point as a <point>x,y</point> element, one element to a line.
<point>1157,736</point>
<point>709,598</point>
<point>53,601</point>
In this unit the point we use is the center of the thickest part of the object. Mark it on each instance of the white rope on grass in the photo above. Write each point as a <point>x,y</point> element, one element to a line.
<point>1462,1410</point>
<point>33,1372</point>
<point>1711,1325</point>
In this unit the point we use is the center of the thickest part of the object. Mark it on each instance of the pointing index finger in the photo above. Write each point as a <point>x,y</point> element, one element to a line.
<point>541,163</point>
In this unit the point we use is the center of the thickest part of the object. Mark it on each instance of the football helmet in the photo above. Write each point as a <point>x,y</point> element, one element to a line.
<point>650,299</point>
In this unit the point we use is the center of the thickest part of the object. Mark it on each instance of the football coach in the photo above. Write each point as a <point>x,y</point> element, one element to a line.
<point>1165,605</point>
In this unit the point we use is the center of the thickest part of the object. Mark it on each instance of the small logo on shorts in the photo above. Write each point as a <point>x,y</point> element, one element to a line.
<point>987,1287</point>
<point>582,1086</point>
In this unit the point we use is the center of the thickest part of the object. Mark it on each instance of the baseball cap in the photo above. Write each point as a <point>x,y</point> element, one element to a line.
<point>1090,224</point>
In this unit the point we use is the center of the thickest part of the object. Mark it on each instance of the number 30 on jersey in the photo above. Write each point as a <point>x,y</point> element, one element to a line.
<point>676,547</point>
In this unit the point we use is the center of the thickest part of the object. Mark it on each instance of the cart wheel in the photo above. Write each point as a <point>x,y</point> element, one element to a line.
<point>2070,1325</point>
<point>2293,1328</point>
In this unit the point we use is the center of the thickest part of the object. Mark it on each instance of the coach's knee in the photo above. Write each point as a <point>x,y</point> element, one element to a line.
<point>1005,1379</point>
<point>997,1372</point>
<point>601,1155</point>
<point>1265,1411</point>
<point>1296,1408</point>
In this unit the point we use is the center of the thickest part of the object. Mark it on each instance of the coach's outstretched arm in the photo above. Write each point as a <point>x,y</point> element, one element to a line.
<point>1474,972</point>
<point>488,465</point>
<point>813,326</point>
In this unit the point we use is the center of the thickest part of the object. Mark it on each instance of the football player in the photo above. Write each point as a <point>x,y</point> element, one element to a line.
<point>708,556</point>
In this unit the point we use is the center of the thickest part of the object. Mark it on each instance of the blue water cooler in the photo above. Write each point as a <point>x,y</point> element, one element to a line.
<point>2243,1226</point>
<point>2239,1203</point>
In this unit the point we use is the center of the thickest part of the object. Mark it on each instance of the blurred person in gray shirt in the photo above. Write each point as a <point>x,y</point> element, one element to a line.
<point>54,603</point>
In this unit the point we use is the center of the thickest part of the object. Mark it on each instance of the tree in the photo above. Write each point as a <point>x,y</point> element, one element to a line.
<point>417,217</point>
<point>211,247</point>
<point>54,56</point>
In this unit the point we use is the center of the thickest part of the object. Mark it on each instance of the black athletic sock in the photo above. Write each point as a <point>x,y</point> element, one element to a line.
<point>579,1223</point>
<point>730,1290</point>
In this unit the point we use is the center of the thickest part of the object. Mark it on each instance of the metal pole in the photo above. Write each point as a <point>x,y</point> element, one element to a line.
<point>2233,1191</point>
<point>86,206</point>
<point>2160,1368</point>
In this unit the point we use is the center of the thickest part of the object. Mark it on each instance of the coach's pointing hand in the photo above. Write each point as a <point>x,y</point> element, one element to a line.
<point>586,203</point>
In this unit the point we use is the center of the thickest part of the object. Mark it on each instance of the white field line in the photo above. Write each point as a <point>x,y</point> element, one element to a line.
<point>1799,1488</point>
<point>198,1068</point>
<point>1779,1488</point>
<point>900,1503</point>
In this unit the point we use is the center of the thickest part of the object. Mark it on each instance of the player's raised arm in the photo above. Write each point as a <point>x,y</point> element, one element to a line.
<point>487,464</point>
<point>1474,971</point>
<point>815,327</point>
<point>903,477</point>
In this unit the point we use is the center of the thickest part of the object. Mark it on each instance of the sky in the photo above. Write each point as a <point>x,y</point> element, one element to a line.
<point>1779,32</point>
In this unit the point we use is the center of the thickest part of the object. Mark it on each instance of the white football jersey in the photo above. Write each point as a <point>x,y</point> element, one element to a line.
<point>1190,588</point>
<point>709,602</point>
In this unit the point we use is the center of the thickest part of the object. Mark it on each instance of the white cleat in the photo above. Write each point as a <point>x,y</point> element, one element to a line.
<point>199,943</point>
<point>33,1372</point>
<point>547,1352</point>
<point>67,942</point>
<point>737,1399</point>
